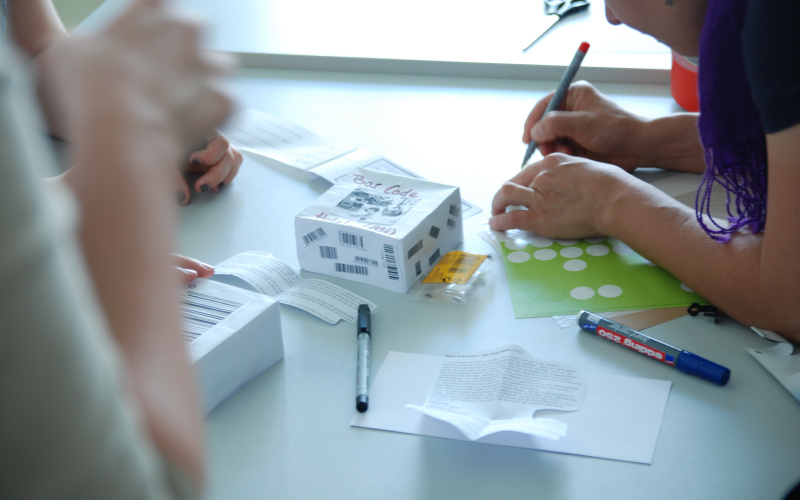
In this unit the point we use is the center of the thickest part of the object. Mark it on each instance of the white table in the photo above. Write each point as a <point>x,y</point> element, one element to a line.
<point>287,434</point>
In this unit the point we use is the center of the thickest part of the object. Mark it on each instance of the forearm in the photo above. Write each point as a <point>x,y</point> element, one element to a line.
<point>34,25</point>
<point>126,232</point>
<point>134,96</point>
<point>739,276</point>
<point>672,142</point>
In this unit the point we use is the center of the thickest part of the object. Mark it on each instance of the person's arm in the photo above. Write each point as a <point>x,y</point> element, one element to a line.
<point>126,244</point>
<point>135,96</point>
<point>36,28</point>
<point>34,25</point>
<point>755,278</point>
<point>70,421</point>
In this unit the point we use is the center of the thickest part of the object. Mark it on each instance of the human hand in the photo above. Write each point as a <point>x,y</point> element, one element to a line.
<point>190,269</point>
<point>565,197</point>
<point>590,126</point>
<point>217,163</point>
<point>145,70</point>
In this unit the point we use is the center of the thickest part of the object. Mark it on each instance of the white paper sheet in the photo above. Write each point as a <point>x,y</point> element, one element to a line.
<point>286,143</point>
<point>620,418</point>
<point>267,274</point>
<point>232,335</point>
<point>280,140</point>
<point>501,390</point>
<point>781,361</point>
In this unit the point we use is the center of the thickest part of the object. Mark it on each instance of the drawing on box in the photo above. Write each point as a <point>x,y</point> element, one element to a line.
<point>366,206</point>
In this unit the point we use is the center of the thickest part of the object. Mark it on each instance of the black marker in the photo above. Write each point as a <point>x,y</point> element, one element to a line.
<point>561,92</point>
<point>362,374</point>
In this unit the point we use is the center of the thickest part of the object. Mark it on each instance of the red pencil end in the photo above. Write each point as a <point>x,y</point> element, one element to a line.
<point>584,47</point>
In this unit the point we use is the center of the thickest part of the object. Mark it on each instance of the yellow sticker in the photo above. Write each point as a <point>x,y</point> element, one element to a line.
<point>455,267</point>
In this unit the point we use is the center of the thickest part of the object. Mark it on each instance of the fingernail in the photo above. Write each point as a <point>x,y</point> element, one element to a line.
<point>536,133</point>
<point>221,185</point>
<point>181,197</point>
<point>190,274</point>
<point>204,188</point>
<point>195,161</point>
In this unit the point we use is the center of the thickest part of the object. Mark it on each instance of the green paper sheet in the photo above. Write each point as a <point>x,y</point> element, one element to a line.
<point>560,277</point>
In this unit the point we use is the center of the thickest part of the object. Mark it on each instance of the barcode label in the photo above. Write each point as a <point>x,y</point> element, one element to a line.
<point>200,312</point>
<point>416,248</point>
<point>464,263</point>
<point>454,210</point>
<point>391,262</point>
<point>314,236</point>
<point>369,262</point>
<point>418,267</point>
<point>352,269</point>
<point>351,239</point>
<point>434,232</point>
<point>328,252</point>
<point>451,224</point>
<point>433,258</point>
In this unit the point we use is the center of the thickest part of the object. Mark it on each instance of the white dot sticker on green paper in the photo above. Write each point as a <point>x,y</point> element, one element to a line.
<point>540,241</point>
<point>519,257</point>
<point>609,291</point>
<point>571,252</point>
<point>597,250</point>
<point>582,293</point>
<point>516,244</point>
<point>575,265</point>
<point>545,254</point>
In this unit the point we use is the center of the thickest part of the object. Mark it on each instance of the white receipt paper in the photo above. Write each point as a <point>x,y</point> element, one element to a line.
<point>281,141</point>
<point>620,418</point>
<point>781,361</point>
<point>500,390</point>
<point>269,275</point>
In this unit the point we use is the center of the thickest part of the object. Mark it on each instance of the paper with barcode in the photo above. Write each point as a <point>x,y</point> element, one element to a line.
<point>232,334</point>
<point>205,304</point>
<point>267,274</point>
<point>501,390</point>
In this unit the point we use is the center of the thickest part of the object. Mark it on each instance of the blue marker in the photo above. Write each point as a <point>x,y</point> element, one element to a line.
<point>641,343</point>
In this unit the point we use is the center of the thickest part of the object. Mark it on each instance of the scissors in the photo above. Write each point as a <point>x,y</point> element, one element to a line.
<point>556,10</point>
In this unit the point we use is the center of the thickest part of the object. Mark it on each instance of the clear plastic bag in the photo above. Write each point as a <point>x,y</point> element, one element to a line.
<point>454,278</point>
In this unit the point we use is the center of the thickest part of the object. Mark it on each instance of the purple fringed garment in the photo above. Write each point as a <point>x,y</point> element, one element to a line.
<point>730,127</point>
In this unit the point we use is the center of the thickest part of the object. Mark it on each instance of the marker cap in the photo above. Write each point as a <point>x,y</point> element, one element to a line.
<point>364,320</point>
<point>703,368</point>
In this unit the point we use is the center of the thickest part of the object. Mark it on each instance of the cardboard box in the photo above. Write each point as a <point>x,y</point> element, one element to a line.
<point>379,228</point>
<point>231,334</point>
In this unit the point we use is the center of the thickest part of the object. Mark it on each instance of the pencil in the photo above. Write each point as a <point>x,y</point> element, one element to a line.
<point>561,92</point>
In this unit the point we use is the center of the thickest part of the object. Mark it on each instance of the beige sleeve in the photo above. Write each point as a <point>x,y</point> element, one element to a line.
<point>69,426</point>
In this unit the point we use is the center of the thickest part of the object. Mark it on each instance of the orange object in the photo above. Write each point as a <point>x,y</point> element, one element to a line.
<point>683,82</point>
